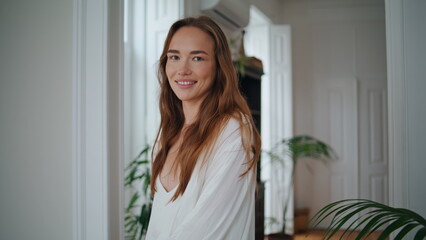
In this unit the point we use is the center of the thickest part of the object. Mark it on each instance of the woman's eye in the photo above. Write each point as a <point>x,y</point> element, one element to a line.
<point>173,57</point>
<point>198,58</point>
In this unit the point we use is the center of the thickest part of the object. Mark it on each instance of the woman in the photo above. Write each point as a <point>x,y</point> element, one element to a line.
<point>203,171</point>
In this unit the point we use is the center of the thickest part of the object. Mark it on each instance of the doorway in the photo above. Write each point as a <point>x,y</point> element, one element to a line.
<point>272,44</point>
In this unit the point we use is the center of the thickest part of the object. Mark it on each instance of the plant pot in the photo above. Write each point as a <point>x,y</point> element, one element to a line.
<point>280,236</point>
<point>301,219</point>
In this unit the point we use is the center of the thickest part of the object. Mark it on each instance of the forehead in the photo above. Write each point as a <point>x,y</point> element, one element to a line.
<point>191,38</point>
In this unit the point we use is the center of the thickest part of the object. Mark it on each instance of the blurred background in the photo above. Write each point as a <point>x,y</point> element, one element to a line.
<point>78,101</point>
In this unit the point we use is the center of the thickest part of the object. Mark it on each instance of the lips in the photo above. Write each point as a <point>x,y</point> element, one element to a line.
<point>185,83</point>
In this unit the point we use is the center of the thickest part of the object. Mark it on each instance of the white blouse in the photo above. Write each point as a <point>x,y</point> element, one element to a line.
<point>217,203</point>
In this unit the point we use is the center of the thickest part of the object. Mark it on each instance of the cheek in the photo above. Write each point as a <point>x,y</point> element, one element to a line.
<point>205,70</point>
<point>167,69</point>
<point>212,72</point>
<point>169,72</point>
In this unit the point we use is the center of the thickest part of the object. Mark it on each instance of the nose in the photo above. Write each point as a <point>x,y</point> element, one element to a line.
<point>184,69</point>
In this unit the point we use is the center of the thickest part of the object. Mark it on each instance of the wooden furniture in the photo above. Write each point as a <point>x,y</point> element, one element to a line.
<point>250,86</point>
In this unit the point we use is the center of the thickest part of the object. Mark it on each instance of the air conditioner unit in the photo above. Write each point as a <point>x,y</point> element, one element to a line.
<point>232,14</point>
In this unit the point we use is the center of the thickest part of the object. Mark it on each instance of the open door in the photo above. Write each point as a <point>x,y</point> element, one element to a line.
<point>271,44</point>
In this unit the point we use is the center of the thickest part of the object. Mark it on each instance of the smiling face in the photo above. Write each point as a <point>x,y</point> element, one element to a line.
<point>191,64</point>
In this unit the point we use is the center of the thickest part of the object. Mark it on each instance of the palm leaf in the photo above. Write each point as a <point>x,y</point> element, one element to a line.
<point>421,234</point>
<point>138,172</point>
<point>296,148</point>
<point>132,202</point>
<point>370,216</point>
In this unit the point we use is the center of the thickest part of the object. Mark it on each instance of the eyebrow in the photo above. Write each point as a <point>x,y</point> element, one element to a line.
<point>192,52</point>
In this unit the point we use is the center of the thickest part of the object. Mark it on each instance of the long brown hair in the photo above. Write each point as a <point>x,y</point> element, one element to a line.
<point>223,101</point>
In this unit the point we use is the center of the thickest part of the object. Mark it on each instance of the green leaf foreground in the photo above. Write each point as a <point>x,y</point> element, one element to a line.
<point>369,216</point>
<point>138,173</point>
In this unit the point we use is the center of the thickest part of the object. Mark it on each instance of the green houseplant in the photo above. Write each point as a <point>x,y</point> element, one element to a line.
<point>296,148</point>
<point>369,216</point>
<point>138,215</point>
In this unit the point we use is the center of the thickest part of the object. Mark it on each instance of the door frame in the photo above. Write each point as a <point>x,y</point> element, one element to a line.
<point>397,118</point>
<point>90,133</point>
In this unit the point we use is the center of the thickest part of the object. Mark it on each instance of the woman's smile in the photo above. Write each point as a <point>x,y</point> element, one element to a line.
<point>185,83</point>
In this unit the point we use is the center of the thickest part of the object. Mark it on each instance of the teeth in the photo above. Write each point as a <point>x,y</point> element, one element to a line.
<point>186,83</point>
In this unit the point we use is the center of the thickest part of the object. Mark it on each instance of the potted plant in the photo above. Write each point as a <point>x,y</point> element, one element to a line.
<point>296,148</point>
<point>369,216</point>
<point>138,215</point>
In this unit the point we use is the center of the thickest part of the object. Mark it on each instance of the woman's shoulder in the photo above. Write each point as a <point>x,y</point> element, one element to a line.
<point>231,125</point>
<point>235,125</point>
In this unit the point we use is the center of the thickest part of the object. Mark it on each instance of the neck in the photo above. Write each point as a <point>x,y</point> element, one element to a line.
<point>190,110</point>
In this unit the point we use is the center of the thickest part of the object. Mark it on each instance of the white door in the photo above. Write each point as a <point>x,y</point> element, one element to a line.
<point>349,79</point>
<point>280,120</point>
<point>373,141</point>
<point>336,123</point>
<point>272,44</point>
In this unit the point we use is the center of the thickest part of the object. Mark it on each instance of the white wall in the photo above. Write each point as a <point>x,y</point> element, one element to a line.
<point>271,8</point>
<point>406,67</point>
<point>338,46</point>
<point>415,77</point>
<point>36,119</point>
<point>406,37</point>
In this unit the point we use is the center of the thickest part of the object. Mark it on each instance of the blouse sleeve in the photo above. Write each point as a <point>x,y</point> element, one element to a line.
<point>225,195</point>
